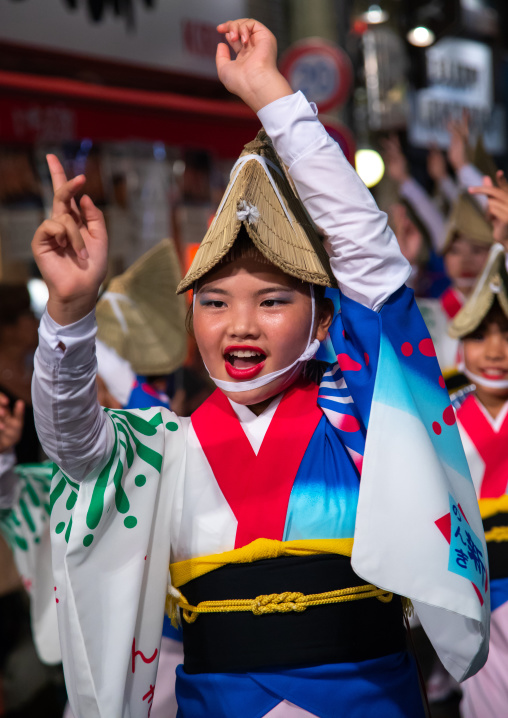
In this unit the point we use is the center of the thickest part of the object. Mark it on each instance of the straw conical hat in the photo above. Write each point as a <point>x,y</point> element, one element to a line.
<point>273,216</point>
<point>491,285</point>
<point>140,316</point>
<point>467,219</point>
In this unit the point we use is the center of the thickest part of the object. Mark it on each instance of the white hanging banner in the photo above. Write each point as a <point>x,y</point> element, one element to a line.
<point>460,76</point>
<point>175,35</point>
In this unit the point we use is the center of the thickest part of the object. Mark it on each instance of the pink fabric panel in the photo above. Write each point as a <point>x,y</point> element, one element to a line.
<point>164,701</point>
<point>285,709</point>
<point>486,693</point>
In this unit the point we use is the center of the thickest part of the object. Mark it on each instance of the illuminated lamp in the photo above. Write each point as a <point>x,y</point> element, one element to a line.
<point>374,15</point>
<point>421,36</point>
<point>39,295</point>
<point>370,166</point>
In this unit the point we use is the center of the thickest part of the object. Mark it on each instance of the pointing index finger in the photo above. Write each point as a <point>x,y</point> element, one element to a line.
<point>57,172</point>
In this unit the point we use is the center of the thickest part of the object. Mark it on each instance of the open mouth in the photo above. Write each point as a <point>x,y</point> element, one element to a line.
<point>244,362</point>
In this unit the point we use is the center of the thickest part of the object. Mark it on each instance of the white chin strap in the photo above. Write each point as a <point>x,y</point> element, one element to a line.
<point>259,381</point>
<point>482,380</point>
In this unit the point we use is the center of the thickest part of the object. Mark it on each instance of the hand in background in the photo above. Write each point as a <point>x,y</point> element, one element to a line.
<point>11,423</point>
<point>497,208</point>
<point>459,142</point>
<point>395,160</point>
<point>436,165</point>
<point>409,237</point>
<point>253,74</point>
<point>70,249</point>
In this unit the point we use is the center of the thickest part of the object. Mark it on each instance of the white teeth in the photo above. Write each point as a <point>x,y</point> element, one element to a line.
<point>244,354</point>
<point>493,372</point>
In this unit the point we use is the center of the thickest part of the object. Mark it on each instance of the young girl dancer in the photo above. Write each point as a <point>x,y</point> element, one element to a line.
<point>287,569</point>
<point>482,419</point>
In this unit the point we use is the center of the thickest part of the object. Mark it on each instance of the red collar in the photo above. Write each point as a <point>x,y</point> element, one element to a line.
<point>490,444</point>
<point>451,302</point>
<point>257,488</point>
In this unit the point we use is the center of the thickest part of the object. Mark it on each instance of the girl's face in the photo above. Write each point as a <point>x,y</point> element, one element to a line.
<point>486,351</point>
<point>251,319</point>
<point>464,261</point>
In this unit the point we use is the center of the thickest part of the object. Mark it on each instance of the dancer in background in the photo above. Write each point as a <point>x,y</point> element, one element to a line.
<point>482,416</point>
<point>465,249</point>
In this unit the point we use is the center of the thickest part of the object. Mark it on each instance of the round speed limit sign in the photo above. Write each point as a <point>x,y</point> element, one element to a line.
<point>322,71</point>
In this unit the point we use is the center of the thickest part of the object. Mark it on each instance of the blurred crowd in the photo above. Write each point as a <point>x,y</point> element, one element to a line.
<point>446,232</point>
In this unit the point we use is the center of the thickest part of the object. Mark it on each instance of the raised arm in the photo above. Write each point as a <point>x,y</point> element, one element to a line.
<point>397,168</point>
<point>365,256</point>
<point>71,252</point>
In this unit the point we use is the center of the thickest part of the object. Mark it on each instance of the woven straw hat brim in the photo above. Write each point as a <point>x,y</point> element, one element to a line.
<point>491,285</point>
<point>291,244</point>
<point>467,219</point>
<point>150,331</point>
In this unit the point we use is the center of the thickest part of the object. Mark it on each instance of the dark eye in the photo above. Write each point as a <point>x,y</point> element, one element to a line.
<point>272,302</point>
<point>215,303</point>
<point>477,336</point>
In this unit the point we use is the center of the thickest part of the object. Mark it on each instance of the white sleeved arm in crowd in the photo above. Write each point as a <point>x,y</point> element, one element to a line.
<point>364,253</point>
<point>425,209</point>
<point>449,189</point>
<point>470,176</point>
<point>73,429</point>
<point>9,483</point>
<point>467,176</point>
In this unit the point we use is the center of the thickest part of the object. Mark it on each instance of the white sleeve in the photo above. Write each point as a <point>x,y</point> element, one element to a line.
<point>470,176</point>
<point>9,482</point>
<point>364,253</point>
<point>449,189</point>
<point>73,429</point>
<point>426,211</point>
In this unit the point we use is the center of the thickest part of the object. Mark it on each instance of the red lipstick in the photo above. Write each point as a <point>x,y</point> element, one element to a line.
<point>250,372</point>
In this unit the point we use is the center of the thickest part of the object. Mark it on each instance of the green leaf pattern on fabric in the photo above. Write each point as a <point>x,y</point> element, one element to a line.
<point>132,434</point>
<point>23,524</point>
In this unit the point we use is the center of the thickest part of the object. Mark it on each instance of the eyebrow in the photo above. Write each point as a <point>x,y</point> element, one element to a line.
<point>277,288</point>
<point>260,292</point>
<point>205,289</point>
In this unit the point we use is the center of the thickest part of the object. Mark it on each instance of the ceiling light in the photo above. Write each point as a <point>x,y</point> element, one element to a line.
<point>374,15</point>
<point>370,166</point>
<point>421,37</point>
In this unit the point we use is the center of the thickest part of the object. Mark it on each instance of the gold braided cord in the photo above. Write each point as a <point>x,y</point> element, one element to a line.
<point>282,602</point>
<point>497,534</point>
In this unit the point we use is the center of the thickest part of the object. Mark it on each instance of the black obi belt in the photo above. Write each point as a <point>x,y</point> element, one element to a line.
<point>496,535</point>
<point>344,632</point>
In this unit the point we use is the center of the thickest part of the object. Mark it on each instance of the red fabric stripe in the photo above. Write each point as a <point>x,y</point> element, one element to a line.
<point>257,488</point>
<point>491,445</point>
<point>451,302</point>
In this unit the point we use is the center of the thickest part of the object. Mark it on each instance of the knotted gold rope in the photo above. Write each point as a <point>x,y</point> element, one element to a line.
<point>282,602</point>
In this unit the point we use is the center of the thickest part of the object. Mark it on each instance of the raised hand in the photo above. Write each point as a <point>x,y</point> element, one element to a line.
<point>71,249</point>
<point>497,207</point>
<point>459,142</point>
<point>253,74</point>
<point>436,165</point>
<point>11,423</point>
<point>395,160</point>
